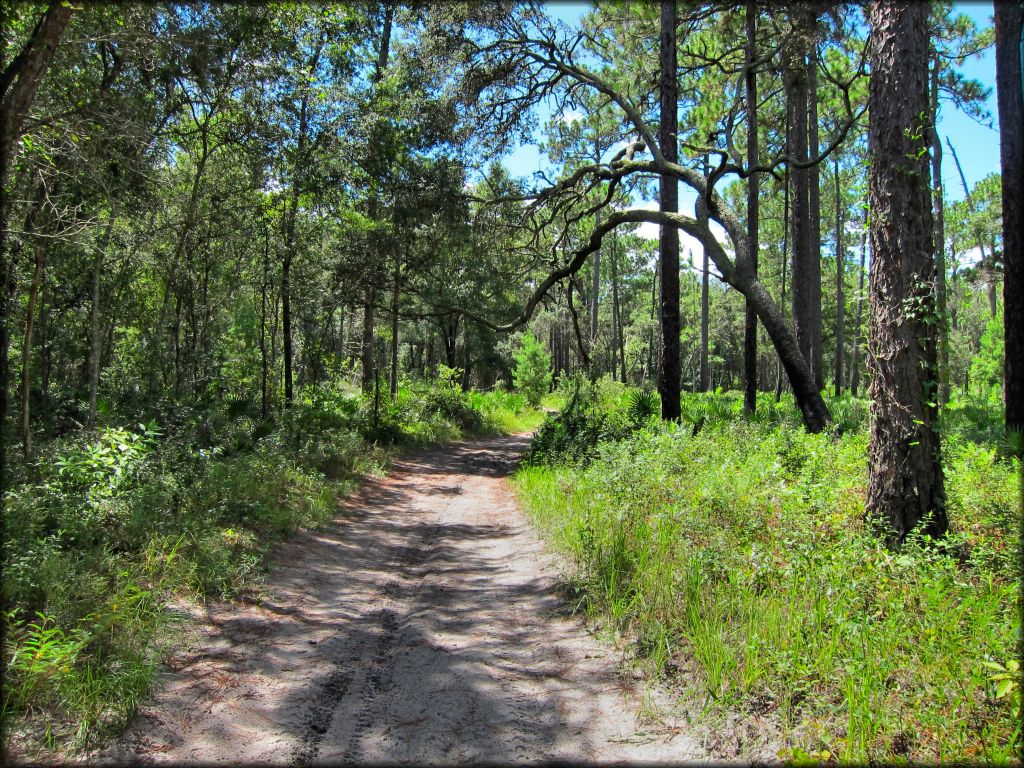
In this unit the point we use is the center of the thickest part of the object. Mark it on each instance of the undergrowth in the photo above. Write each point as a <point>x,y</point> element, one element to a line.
<point>107,528</point>
<point>734,553</point>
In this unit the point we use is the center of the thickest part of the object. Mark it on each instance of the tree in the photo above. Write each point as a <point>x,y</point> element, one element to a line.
<point>753,192</point>
<point>905,485</point>
<point>532,372</point>
<point>1009,22</point>
<point>668,203</point>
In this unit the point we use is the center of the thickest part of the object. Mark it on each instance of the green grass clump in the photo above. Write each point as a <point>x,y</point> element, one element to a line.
<point>740,547</point>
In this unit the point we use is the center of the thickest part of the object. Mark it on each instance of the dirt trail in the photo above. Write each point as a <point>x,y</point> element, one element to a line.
<point>422,626</point>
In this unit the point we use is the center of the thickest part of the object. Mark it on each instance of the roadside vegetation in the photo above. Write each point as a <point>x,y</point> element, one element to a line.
<point>734,555</point>
<point>116,524</point>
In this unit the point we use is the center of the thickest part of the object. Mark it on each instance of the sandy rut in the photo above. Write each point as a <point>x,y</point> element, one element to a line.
<point>423,626</point>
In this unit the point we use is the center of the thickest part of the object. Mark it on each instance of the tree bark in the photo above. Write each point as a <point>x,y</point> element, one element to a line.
<point>668,243</point>
<point>1009,23</point>
<point>753,209</point>
<point>840,273</point>
<point>905,483</point>
<point>938,208</point>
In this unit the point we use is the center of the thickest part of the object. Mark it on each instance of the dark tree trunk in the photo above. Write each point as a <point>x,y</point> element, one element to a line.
<point>619,339</point>
<point>668,244</point>
<point>580,343</point>
<point>26,349</point>
<point>814,208</point>
<point>784,262</point>
<point>905,484</point>
<point>1009,19</point>
<point>753,209</point>
<point>264,363</point>
<point>840,273</point>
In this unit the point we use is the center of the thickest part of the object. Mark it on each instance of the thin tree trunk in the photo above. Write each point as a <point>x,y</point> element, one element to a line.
<point>987,259</point>
<point>840,273</point>
<point>26,349</point>
<point>368,357</point>
<point>940,235</point>
<point>782,267</point>
<point>1009,23</point>
<point>814,206</point>
<point>753,209</point>
<point>905,484</point>
<point>396,288</point>
<point>95,332</point>
<point>855,364</point>
<point>668,246</point>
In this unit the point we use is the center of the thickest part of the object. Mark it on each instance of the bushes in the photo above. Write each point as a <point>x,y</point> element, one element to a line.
<point>743,549</point>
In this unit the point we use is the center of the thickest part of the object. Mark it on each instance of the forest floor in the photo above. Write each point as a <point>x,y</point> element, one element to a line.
<point>428,623</point>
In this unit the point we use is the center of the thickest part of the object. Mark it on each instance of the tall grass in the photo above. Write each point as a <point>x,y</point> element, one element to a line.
<point>739,550</point>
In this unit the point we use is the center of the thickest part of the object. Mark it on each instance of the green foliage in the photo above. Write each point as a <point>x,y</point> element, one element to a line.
<point>532,372</point>
<point>743,550</point>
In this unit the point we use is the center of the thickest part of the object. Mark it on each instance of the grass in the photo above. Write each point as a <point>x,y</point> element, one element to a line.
<point>113,526</point>
<point>740,552</point>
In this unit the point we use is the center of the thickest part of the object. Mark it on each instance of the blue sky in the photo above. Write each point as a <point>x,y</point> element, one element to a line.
<point>977,146</point>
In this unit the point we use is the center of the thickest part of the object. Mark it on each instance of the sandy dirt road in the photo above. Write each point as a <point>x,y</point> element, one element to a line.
<point>423,625</point>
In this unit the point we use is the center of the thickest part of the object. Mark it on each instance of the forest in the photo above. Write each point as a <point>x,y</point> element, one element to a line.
<point>254,256</point>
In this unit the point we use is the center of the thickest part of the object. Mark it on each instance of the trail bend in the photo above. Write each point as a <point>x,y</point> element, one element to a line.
<point>423,625</point>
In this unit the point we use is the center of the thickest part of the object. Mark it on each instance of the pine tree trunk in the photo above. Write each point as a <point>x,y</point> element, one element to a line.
<point>1009,20</point>
<point>905,483</point>
<point>814,209</point>
<point>940,234</point>
<point>753,209</point>
<point>397,283</point>
<point>840,273</point>
<point>855,363</point>
<point>668,244</point>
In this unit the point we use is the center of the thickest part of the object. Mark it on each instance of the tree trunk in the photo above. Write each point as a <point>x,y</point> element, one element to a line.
<point>19,83</point>
<point>814,208</point>
<point>938,208</point>
<point>855,363</point>
<point>668,244</point>
<point>988,260</point>
<point>806,267</point>
<point>396,288</point>
<point>286,327</point>
<point>94,314</point>
<point>840,273</point>
<point>1009,21</point>
<point>26,349</point>
<point>753,209</point>
<point>619,337</point>
<point>595,297</point>
<point>264,365</point>
<point>786,215</point>
<point>905,484</point>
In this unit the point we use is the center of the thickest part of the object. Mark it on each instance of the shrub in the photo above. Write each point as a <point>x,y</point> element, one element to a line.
<point>532,371</point>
